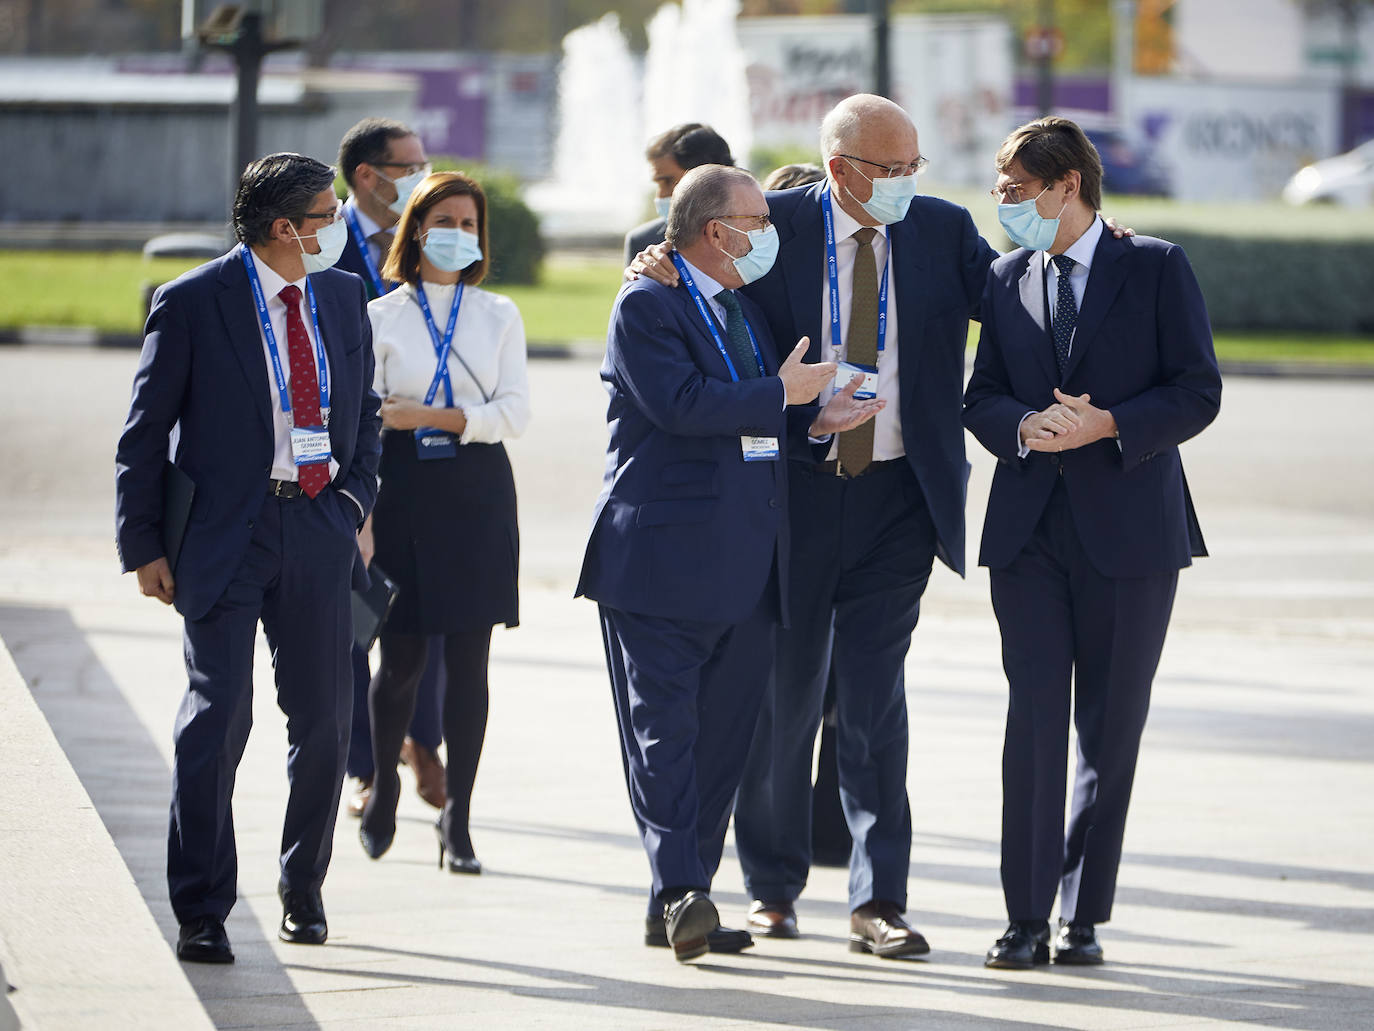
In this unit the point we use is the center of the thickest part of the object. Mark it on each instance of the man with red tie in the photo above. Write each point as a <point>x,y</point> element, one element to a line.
<point>262,362</point>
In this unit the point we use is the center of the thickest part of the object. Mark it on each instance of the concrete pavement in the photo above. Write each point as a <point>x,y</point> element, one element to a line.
<point>1247,893</point>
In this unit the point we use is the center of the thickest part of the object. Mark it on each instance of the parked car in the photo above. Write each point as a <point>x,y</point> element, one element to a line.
<point>203,246</point>
<point>1127,168</point>
<point>1346,179</point>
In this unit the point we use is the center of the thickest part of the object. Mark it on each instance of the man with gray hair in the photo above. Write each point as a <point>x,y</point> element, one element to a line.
<point>688,553</point>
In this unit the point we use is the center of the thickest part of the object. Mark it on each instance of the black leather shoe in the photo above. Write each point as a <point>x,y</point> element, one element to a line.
<point>689,921</point>
<point>1022,947</point>
<point>722,939</point>
<point>457,862</point>
<point>1077,945</point>
<point>302,920</point>
<point>202,940</point>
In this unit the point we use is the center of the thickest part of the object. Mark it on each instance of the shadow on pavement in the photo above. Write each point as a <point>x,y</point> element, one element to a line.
<point>122,770</point>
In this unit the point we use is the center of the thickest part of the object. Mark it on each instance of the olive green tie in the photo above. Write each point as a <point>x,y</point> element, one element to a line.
<point>861,347</point>
<point>737,335</point>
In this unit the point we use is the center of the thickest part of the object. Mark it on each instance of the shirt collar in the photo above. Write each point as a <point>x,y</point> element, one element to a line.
<point>271,282</point>
<point>845,224</point>
<point>1083,249</point>
<point>706,286</point>
<point>365,222</point>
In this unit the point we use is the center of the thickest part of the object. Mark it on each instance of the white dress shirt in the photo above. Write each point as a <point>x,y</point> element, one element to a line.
<point>708,288</point>
<point>283,465</point>
<point>488,344</point>
<point>887,424</point>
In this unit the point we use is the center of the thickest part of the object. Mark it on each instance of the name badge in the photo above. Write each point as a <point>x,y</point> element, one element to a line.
<point>309,445</point>
<point>431,443</point>
<point>868,389</point>
<point>759,449</point>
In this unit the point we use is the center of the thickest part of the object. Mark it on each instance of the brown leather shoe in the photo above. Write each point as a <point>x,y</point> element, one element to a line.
<point>878,928</point>
<point>772,919</point>
<point>428,770</point>
<point>360,792</point>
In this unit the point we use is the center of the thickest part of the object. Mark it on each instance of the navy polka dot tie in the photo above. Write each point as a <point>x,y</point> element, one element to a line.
<point>305,386</point>
<point>1065,310</point>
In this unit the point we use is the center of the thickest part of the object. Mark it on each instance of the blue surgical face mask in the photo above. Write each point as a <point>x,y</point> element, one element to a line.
<point>331,239</point>
<point>661,205</point>
<point>451,249</point>
<point>1026,227</point>
<point>891,197</point>
<point>405,186</point>
<point>755,265</point>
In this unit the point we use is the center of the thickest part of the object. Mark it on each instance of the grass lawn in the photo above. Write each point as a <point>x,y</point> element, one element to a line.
<point>103,290</point>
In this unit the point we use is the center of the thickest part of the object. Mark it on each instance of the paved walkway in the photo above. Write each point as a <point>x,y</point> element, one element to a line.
<point>1247,891</point>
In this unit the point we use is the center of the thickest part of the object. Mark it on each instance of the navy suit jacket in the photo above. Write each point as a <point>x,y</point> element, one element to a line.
<point>1143,349</point>
<point>203,370</point>
<point>939,267</point>
<point>684,527</point>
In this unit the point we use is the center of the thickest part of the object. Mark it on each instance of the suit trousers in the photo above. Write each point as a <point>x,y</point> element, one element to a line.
<point>686,695</point>
<point>294,577</point>
<point>1070,634</point>
<point>862,551</point>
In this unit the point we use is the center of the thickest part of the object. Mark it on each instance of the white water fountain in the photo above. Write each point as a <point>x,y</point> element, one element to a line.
<point>694,72</point>
<point>598,163</point>
<point>610,103</point>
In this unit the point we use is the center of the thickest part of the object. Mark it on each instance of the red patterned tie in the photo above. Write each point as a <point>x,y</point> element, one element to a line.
<point>305,387</point>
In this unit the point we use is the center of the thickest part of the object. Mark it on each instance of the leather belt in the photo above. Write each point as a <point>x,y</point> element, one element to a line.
<point>832,468</point>
<point>286,489</point>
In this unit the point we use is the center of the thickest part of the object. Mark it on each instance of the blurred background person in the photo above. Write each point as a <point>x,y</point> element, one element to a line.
<point>382,161</point>
<point>451,373</point>
<point>784,177</point>
<point>830,840</point>
<point>670,155</point>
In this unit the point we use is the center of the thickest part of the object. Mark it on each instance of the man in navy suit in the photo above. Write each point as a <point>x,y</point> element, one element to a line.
<point>264,372</point>
<point>382,161</point>
<point>688,554</point>
<point>1095,363</point>
<point>869,515</point>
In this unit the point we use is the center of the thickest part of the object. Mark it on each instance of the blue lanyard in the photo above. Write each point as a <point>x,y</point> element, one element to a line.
<point>260,302</point>
<point>443,346</point>
<point>833,272</point>
<point>379,285</point>
<point>681,267</point>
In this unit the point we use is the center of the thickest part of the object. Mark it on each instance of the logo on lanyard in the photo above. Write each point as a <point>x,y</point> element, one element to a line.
<point>833,275</point>
<point>700,301</point>
<point>260,302</point>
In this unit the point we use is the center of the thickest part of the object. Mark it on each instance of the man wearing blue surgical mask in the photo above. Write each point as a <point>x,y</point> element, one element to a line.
<point>671,154</point>
<point>382,161</point>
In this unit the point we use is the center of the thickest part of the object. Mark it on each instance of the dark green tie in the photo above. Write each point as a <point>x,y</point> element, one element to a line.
<point>737,336</point>
<point>855,449</point>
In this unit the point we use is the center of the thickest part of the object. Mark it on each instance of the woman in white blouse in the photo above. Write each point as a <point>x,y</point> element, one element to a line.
<point>445,520</point>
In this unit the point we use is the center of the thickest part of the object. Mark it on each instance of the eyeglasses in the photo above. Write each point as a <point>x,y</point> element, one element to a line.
<point>330,217</point>
<point>406,169</point>
<point>892,171</point>
<point>756,221</point>
<point>1008,192</point>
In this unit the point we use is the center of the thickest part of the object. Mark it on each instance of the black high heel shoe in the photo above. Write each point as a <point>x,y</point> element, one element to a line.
<point>456,864</point>
<point>376,840</point>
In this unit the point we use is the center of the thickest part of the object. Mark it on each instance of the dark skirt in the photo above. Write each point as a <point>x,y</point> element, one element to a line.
<point>445,531</point>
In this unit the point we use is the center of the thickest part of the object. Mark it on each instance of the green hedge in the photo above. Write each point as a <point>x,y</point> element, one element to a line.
<point>517,249</point>
<point>1254,283</point>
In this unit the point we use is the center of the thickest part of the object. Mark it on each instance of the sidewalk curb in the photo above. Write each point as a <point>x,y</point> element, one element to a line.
<point>62,870</point>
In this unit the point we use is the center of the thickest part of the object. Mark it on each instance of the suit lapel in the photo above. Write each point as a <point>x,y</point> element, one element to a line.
<point>703,335</point>
<point>332,330</point>
<point>1032,292</point>
<point>239,313</point>
<point>803,266</point>
<point>1104,282</point>
<point>908,291</point>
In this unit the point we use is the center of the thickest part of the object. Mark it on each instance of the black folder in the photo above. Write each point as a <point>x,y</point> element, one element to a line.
<point>178,490</point>
<point>371,607</point>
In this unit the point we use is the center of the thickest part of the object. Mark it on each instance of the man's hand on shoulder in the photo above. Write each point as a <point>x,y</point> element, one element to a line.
<point>155,580</point>
<point>842,412</point>
<point>653,263</point>
<point>803,382</point>
<point>1071,423</point>
<point>1117,230</point>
